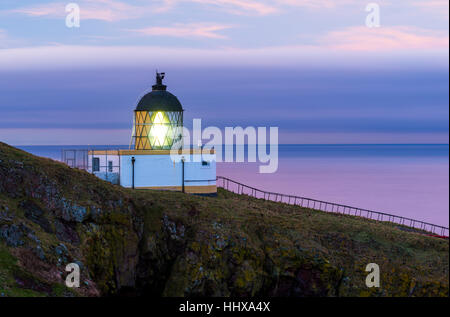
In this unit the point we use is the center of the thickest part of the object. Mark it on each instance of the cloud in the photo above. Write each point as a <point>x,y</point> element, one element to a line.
<point>103,10</point>
<point>266,7</point>
<point>240,6</point>
<point>205,30</point>
<point>46,136</point>
<point>317,4</point>
<point>6,41</point>
<point>50,9</point>
<point>262,7</point>
<point>438,7</point>
<point>114,10</point>
<point>117,10</point>
<point>324,55</point>
<point>435,4</point>
<point>400,38</point>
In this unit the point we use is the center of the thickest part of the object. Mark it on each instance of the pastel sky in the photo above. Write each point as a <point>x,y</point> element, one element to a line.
<point>311,67</point>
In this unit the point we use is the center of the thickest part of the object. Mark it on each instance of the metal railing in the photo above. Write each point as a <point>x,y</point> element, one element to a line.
<point>79,158</point>
<point>305,202</point>
<point>75,158</point>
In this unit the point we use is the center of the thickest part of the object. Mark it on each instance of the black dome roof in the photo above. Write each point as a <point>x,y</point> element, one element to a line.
<point>159,99</point>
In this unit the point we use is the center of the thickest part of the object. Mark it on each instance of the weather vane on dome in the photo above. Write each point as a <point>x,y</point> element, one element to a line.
<point>159,77</point>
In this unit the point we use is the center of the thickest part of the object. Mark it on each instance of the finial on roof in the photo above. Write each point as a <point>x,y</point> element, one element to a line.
<point>159,85</point>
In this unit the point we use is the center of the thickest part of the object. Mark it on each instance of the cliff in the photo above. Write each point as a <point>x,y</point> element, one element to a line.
<point>172,244</point>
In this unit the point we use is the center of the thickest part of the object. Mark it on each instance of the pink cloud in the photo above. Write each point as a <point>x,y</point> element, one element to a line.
<point>186,30</point>
<point>103,10</point>
<point>248,6</point>
<point>114,10</point>
<point>265,7</point>
<point>438,4</point>
<point>51,9</point>
<point>438,7</point>
<point>233,6</point>
<point>316,3</point>
<point>361,38</point>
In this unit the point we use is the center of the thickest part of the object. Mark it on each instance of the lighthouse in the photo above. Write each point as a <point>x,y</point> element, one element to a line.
<point>151,162</point>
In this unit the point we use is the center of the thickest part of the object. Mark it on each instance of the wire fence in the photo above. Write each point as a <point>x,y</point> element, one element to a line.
<point>75,158</point>
<point>304,202</point>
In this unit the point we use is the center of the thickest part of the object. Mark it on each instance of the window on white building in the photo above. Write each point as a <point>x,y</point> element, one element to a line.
<point>95,164</point>
<point>110,166</point>
<point>205,164</point>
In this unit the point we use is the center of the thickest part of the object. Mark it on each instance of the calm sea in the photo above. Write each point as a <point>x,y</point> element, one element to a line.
<point>406,180</point>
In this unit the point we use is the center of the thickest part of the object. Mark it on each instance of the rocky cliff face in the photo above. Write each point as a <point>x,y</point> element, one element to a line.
<point>171,244</point>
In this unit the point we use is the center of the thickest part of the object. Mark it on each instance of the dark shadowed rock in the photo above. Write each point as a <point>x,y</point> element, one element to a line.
<point>36,214</point>
<point>70,211</point>
<point>65,231</point>
<point>12,234</point>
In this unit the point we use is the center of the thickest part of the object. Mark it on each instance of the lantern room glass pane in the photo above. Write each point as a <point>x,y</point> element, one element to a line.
<point>157,130</point>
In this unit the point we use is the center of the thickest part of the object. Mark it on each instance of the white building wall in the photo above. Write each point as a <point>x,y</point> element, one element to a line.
<point>104,159</point>
<point>197,174</point>
<point>162,171</point>
<point>105,172</point>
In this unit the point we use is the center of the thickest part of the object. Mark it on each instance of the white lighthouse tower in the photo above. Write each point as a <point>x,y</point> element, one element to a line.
<point>151,163</point>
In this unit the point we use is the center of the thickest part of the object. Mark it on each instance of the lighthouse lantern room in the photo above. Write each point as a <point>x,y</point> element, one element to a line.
<point>158,119</point>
